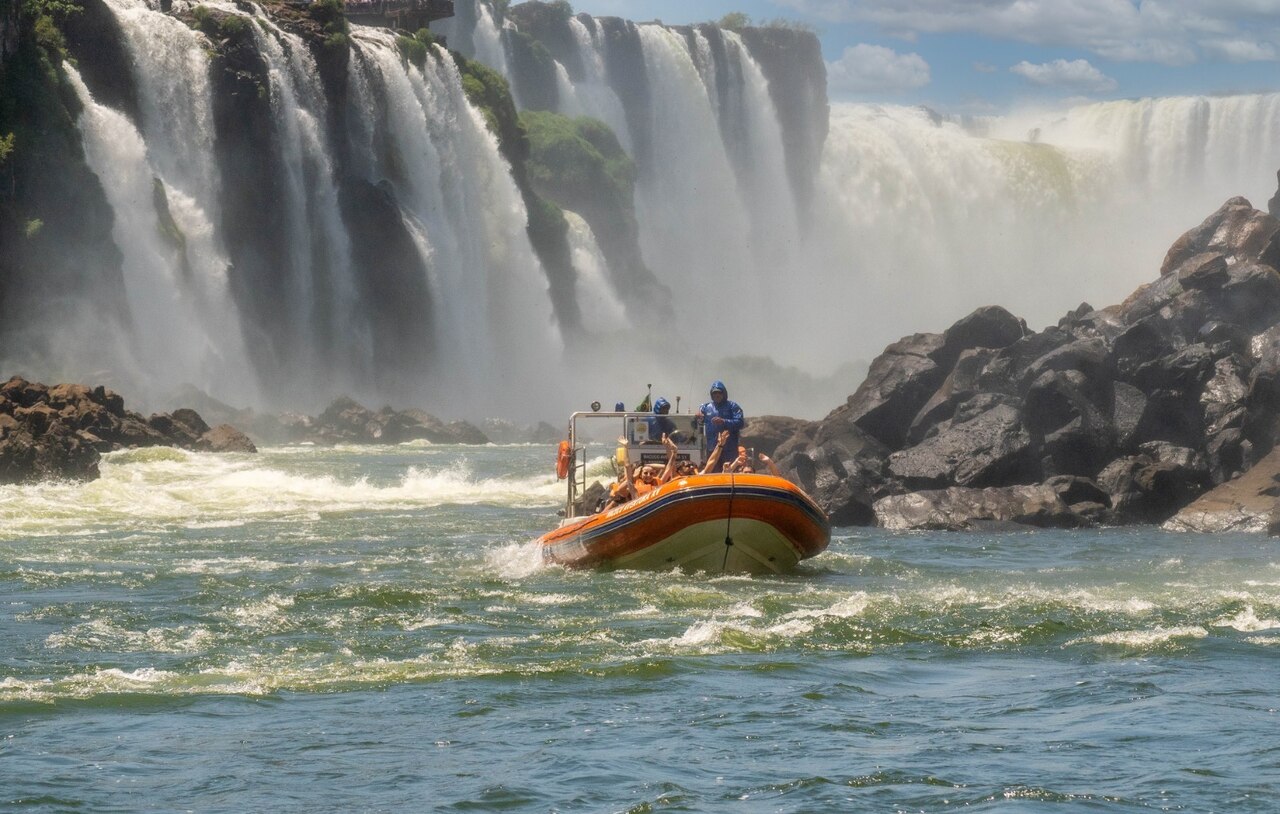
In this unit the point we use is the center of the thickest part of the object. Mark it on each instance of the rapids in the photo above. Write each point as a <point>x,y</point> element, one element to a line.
<point>368,628</point>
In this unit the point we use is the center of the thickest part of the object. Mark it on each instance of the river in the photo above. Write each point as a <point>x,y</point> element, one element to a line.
<point>370,629</point>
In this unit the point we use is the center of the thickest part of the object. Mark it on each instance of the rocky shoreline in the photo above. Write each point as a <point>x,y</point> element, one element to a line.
<point>59,432</point>
<point>1146,412</point>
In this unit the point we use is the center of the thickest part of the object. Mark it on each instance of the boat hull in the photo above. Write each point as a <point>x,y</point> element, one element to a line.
<point>753,524</point>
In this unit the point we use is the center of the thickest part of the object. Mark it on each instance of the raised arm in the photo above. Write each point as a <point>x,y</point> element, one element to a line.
<point>714,457</point>
<point>770,465</point>
<point>670,468</point>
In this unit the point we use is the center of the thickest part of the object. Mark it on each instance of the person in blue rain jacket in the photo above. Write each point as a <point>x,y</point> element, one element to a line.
<point>721,414</point>
<point>660,425</point>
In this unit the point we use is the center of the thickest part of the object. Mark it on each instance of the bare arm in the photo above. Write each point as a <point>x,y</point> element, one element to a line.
<point>671,459</point>
<point>772,467</point>
<point>714,457</point>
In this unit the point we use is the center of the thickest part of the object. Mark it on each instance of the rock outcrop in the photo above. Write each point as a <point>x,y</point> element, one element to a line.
<point>1124,414</point>
<point>1248,503</point>
<point>60,432</point>
<point>346,421</point>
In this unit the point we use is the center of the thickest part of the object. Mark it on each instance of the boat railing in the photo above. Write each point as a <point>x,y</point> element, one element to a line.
<point>641,433</point>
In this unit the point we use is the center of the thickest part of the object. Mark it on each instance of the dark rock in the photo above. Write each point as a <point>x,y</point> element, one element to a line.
<point>984,445</point>
<point>1128,406</point>
<point>1247,503</point>
<point>175,432</point>
<point>989,327</point>
<point>1236,229</point>
<point>958,509</point>
<point>839,465</point>
<point>225,438</point>
<point>899,382</point>
<point>1152,486</point>
<point>1077,490</point>
<point>1067,418</point>
<point>60,431</point>
<point>462,432</point>
<point>767,432</point>
<point>1003,373</point>
<point>960,386</point>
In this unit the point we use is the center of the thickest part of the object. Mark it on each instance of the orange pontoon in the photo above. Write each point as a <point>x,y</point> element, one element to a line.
<point>726,523</point>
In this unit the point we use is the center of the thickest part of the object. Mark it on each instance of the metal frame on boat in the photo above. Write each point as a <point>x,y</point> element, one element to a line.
<point>716,523</point>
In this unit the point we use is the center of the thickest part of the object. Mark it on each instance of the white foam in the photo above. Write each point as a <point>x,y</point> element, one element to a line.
<point>1247,621</point>
<point>1143,638</point>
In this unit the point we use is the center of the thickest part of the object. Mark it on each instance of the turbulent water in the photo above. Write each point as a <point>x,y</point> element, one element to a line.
<point>370,629</point>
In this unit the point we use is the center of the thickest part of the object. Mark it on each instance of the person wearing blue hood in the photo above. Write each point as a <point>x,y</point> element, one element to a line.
<point>660,425</point>
<point>721,414</point>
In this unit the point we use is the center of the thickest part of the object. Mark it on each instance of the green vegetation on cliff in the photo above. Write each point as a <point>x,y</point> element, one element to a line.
<point>574,160</point>
<point>548,230</point>
<point>55,222</point>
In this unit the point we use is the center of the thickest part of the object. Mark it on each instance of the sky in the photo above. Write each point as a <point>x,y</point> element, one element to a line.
<point>988,56</point>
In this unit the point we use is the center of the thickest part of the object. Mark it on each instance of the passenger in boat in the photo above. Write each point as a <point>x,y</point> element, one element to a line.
<point>649,478</point>
<point>661,425</point>
<point>669,471</point>
<point>769,464</point>
<point>620,492</point>
<point>741,464</point>
<point>721,414</point>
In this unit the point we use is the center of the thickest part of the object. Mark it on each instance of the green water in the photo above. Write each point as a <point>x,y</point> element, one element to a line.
<point>371,629</point>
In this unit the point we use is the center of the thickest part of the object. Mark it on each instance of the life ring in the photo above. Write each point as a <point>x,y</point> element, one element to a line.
<point>563,457</point>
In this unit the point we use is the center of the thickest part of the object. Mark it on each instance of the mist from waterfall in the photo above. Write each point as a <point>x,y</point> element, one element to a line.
<point>922,219</point>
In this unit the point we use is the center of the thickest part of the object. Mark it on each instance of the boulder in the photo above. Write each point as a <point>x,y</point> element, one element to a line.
<point>957,509</point>
<point>985,444</point>
<point>1247,503</point>
<point>225,438</point>
<point>899,382</point>
<point>1151,486</point>
<point>839,465</point>
<point>1236,229</point>
<point>1066,414</point>
<point>987,327</point>
<point>59,432</point>
<point>961,384</point>
<point>768,432</point>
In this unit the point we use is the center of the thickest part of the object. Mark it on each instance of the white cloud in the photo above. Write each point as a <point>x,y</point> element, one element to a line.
<point>866,68</point>
<point>1173,32</point>
<point>1077,75</point>
<point>1240,50</point>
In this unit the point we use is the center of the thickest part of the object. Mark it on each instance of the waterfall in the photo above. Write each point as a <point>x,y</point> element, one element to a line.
<point>398,264</point>
<point>474,32</point>
<point>323,319</point>
<point>175,333</point>
<point>492,313</point>
<point>602,311</point>
<point>593,93</point>
<point>184,327</point>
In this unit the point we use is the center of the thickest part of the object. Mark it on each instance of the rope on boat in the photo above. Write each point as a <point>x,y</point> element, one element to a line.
<point>728,540</point>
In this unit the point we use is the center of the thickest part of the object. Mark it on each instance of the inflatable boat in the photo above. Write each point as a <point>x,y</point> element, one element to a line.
<point>714,523</point>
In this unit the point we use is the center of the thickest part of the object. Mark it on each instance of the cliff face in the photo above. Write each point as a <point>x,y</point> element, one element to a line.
<point>8,30</point>
<point>54,218</point>
<point>792,62</point>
